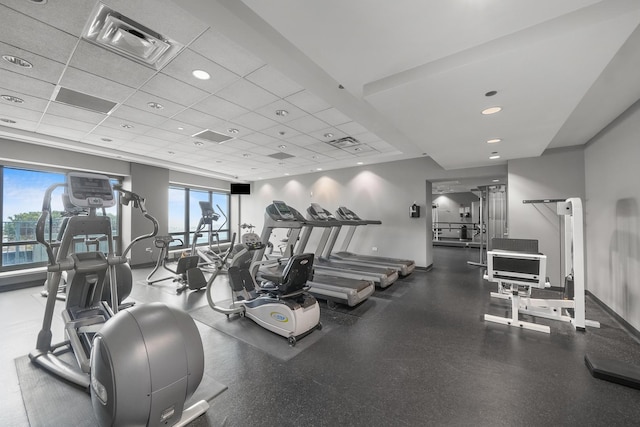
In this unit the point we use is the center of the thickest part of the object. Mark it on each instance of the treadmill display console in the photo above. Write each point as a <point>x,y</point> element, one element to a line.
<point>319,212</point>
<point>347,214</point>
<point>87,190</point>
<point>283,210</point>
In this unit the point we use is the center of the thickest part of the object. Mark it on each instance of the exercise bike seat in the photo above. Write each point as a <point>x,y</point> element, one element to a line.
<point>296,272</point>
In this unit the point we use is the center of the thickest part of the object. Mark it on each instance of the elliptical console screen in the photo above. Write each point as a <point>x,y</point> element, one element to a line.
<point>283,210</point>
<point>88,190</point>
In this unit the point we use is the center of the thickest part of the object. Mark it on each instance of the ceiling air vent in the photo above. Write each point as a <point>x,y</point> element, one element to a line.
<point>122,35</point>
<point>212,136</point>
<point>346,142</point>
<point>82,100</point>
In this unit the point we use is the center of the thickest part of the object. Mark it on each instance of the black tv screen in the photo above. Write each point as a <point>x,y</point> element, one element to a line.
<point>240,188</point>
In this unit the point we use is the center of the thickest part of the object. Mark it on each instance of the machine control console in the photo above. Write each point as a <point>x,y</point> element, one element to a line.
<point>88,190</point>
<point>283,210</point>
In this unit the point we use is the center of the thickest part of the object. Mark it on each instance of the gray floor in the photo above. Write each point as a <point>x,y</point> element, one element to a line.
<point>417,353</point>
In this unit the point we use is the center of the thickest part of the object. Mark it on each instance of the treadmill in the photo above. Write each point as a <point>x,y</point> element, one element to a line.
<point>318,217</point>
<point>323,286</point>
<point>349,218</point>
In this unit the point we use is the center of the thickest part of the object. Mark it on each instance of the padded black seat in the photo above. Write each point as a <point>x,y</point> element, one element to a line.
<point>296,272</point>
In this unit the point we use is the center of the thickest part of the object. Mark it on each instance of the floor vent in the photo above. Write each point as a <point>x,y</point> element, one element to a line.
<point>113,31</point>
<point>82,100</point>
<point>212,136</point>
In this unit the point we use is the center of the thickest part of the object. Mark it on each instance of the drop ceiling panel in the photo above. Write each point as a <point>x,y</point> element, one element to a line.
<point>293,112</point>
<point>68,15</point>
<point>93,85</point>
<point>30,102</point>
<point>302,140</point>
<point>308,102</point>
<point>126,113</point>
<point>43,68</point>
<point>330,132</point>
<point>281,132</point>
<point>64,110</point>
<point>17,83</point>
<point>333,116</point>
<point>228,54</point>
<point>173,125</point>
<point>274,81</point>
<point>169,88</point>
<point>49,119</point>
<point>35,36</point>
<point>11,112</point>
<point>307,124</point>
<point>260,138</point>
<point>116,123</point>
<point>139,100</point>
<point>20,124</point>
<point>60,131</point>
<point>246,94</point>
<point>198,119</point>
<point>117,134</point>
<point>168,136</point>
<point>187,61</point>
<point>151,144</point>
<point>254,121</point>
<point>351,128</point>
<point>219,107</point>
<point>104,63</point>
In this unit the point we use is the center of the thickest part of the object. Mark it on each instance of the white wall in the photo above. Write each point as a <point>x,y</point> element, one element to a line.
<point>557,174</point>
<point>612,167</point>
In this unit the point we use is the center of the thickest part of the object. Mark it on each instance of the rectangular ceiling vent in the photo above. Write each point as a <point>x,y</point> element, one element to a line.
<point>126,37</point>
<point>280,156</point>
<point>82,100</point>
<point>209,135</point>
<point>346,142</point>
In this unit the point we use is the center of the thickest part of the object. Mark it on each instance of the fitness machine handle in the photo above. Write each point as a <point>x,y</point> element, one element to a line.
<point>138,202</point>
<point>42,222</point>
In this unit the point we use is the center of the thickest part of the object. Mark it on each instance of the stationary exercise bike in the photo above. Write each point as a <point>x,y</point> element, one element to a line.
<point>186,274</point>
<point>140,364</point>
<point>280,304</point>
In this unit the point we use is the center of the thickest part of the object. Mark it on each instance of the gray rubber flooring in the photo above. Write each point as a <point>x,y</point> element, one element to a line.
<point>418,354</point>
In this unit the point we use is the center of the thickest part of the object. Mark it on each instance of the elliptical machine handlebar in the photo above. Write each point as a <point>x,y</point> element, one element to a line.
<point>42,222</point>
<point>138,202</point>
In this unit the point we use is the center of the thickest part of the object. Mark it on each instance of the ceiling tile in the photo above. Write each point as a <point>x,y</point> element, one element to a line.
<point>113,133</point>
<point>187,61</point>
<point>293,112</point>
<point>198,119</point>
<point>220,108</point>
<point>352,128</point>
<point>332,116</point>
<point>274,81</point>
<point>68,15</point>
<point>43,68</point>
<point>150,143</point>
<point>254,121</point>
<point>65,122</point>
<point>90,84</point>
<point>11,81</point>
<point>162,16</point>
<point>260,138</point>
<point>308,102</point>
<point>20,124</point>
<point>228,54</point>
<point>15,113</point>
<point>331,134</point>
<point>60,131</point>
<point>174,125</point>
<point>303,140</point>
<point>307,124</point>
<point>167,135</point>
<point>281,131</point>
<point>104,63</point>
<point>117,122</point>
<point>167,87</point>
<point>30,102</point>
<point>138,116</point>
<point>247,95</point>
<point>64,110</point>
<point>35,36</point>
<point>140,100</point>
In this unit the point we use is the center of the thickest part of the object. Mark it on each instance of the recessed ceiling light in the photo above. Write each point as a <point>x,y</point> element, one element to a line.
<point>181,128</point>
<point>155,105</point>
<point>319,169</point>
<point>171,152</point>
<point>38,1</point>
<point>106,139</point>
<point>286,174</point>
<point>17,61</point>
<point>7,121</point>
<point>491,110</point>
<point>233,130</point>
<point>11,98</point>
<point>328,135</point>
<point>491,93</point>
<point>201,74</point>
<point>495,180</point>
<point>359,163</point>
<point>493,141</point>
<point>282,147</point>
<point>357,149</point>
<point>494,156</point>
<point>282,113</point>
<point>282,133</point>
<point>127,126</point>
<point>198,143</point>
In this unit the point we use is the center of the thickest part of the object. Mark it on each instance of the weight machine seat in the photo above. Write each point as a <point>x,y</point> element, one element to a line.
<point>296,272</point>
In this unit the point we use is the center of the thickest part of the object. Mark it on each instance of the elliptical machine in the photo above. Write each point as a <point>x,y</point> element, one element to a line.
<point>187,274</point>
<point>281,304</point>
<point>139,364</point>
<point>211,259</point>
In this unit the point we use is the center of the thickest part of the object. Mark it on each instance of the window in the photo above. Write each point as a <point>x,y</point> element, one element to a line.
<point>22,192</point>
<point>185,215</point>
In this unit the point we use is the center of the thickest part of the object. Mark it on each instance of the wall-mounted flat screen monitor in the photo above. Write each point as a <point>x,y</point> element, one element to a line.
<point>240,188</point>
